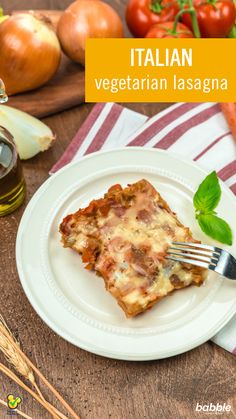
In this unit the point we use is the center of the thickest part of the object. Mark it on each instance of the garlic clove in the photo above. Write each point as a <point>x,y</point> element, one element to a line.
<point>30,134</point>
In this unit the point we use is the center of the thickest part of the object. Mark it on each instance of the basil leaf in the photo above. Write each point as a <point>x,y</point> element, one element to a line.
<point>216,228</point>
<point>208,194</point>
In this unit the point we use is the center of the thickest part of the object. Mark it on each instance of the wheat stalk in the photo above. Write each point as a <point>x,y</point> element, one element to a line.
<point>12,355</point>
<point>16,357</point>
<point>17,380</point>
<point>16,410</point>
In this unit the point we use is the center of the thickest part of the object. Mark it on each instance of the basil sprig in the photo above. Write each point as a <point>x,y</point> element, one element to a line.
<point>205,202</point>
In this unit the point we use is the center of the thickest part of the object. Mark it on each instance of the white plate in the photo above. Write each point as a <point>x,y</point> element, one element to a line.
<point>74,303</point>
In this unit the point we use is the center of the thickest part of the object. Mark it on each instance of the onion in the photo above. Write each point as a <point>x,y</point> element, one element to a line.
<point>52,15</point>
<point>87,19</point>
<point>30,52</point>
<point>30,135</point>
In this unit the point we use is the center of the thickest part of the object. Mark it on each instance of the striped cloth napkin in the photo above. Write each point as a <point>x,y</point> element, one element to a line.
<point>197,131</point>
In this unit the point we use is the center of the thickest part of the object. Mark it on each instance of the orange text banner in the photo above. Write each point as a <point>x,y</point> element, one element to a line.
<point>160,70</point>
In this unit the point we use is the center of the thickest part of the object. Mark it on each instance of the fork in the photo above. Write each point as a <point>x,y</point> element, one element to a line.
<point>205,256</point>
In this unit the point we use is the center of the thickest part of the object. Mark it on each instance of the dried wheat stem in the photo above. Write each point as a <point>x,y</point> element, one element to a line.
<point>14,358</point>
<point>39,392</point>
<point>27,371</point>
<point>57,412</point>
<point>16,410</point>
<point>17,380</point>
<point>35,369</point>
<point>53,390</point>
<point>12,354</point>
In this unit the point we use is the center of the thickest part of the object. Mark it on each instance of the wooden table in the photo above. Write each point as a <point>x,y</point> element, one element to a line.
<point>100,388</point>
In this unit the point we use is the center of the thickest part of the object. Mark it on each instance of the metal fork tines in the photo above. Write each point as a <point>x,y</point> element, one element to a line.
<point>209,257</point>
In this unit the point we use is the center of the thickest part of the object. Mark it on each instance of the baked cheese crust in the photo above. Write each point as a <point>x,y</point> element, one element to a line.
<point>124,237</point>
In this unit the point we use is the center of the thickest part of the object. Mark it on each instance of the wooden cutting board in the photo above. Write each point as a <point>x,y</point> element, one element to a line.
<point>64,91</point>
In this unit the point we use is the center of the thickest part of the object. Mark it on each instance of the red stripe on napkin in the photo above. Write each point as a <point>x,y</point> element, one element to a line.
<point>161,123</point>
<point>105,129</point>
<point>233,188</point>
<point>79,137</point>
<point>227,171</point>
<point>178,131</point>
<point>211,145</point>
<point>107,119</point>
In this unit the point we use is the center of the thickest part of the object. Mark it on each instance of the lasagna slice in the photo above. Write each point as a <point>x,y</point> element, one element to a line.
<point>124,237</point>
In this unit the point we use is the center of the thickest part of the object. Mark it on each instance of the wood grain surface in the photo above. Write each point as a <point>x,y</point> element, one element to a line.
<point>100,388</point>
<point>65,90</point>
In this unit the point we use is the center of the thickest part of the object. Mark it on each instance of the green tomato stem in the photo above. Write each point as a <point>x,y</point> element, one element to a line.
<point>213,2</point>
<point>156,6</point>
<point>192,12</point>
<point>177,17</point>
<point>182,3</point>
<point>232,33</point>
<point>195,26</point>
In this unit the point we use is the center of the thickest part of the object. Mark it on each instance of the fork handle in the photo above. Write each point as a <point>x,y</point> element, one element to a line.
<point>230,269</point>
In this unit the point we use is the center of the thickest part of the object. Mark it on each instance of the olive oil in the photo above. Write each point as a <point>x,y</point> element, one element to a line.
<point>12,184</point>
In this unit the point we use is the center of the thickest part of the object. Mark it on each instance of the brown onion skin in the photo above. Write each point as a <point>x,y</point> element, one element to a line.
<point>52,15</point>
<point>30,53</point>
<point>87,19</point>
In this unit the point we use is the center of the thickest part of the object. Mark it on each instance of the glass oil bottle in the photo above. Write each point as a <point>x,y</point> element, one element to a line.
<point>12,184</point>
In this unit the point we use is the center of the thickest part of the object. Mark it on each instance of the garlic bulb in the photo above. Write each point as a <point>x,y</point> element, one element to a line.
<point>30,135</point>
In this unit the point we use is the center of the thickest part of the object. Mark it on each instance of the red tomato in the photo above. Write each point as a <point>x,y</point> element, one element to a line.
<point>215,17</point>
<point>165,30</point>
<point>142,14</point>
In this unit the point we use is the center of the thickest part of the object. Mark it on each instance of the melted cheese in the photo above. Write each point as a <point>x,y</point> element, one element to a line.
<point>158,233</point>
<point>132,243</point>
<point>138,232</point>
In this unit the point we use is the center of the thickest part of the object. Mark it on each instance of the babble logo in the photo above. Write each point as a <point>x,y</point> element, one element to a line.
<point>213,407</point>
<point>13,402</point>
